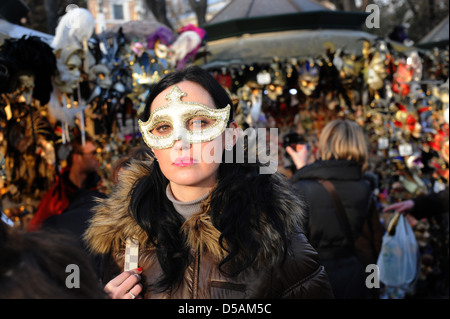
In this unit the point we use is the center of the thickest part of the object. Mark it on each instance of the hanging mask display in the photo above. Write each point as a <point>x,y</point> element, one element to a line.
<point>350,69</point>
<point>100,76</point>
<point>224,78</point>
<point>263,78</point>
<point>278,77</point>
<point>159,41</point>
<point>28,65</point>
<point>73,32</point>
<point>185,47</point>
<point>308,77</point>
<point>69,71</point>
<point>415,63</point>
<point>376,72</point>
<point>441,93</point>
<point>402,78</point>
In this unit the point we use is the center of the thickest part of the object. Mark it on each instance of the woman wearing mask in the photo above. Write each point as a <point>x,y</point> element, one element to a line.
<point>202,227</point>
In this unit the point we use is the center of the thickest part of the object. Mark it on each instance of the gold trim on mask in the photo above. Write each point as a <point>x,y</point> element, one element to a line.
<point>176,114</point>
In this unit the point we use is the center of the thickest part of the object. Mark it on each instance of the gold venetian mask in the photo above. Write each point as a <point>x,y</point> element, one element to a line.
<point>191,122</point>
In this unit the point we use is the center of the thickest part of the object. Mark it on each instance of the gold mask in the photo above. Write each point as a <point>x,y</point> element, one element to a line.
<point>190,122</point>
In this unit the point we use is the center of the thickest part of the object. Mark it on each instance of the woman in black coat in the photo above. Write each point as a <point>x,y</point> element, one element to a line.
<point>348,242</point>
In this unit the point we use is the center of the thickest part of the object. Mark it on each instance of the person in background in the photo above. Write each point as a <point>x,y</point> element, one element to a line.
<point>433,206</point>
<point>334,183</point>
<point>77,181</point>
<point>423,206</point>
<point>74,220</point>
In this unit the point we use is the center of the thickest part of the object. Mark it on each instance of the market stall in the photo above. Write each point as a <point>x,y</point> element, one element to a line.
<point>10,30</point>
<point>400,98</point>
<point>75,82</point>
<point>293,80</point>
<point>298,74</point>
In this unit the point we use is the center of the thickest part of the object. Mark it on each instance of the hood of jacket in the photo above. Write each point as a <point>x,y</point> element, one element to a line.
<point>330,170</point>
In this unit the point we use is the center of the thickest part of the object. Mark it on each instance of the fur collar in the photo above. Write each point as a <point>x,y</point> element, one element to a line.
<point>112,222</point>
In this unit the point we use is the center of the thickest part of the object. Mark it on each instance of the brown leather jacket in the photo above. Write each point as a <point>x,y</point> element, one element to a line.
<point>300,276</point>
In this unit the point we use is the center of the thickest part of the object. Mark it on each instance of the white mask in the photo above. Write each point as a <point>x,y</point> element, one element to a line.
<point>191,122</point>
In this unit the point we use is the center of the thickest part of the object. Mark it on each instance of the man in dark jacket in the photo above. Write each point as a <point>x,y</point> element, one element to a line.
<point>74,220</point>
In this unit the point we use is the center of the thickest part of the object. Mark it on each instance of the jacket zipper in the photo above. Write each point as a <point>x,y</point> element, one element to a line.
<point>196,275</point>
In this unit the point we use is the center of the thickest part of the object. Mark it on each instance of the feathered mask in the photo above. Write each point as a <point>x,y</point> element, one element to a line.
<point>27,56</point>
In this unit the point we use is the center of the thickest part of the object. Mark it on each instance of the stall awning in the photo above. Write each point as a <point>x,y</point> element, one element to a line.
<point>263,47</point>
<point>10,30</point>
<point>284,22</point>
<point>438,37</point>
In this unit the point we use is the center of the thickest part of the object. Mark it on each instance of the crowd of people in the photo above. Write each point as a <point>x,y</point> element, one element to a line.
<point>178,208</point>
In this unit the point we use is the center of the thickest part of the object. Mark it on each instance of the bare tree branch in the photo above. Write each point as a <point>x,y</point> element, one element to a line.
<point>412,7</point>
<point>158,8</point>
<point>51,9</point>
<point>199,7</point>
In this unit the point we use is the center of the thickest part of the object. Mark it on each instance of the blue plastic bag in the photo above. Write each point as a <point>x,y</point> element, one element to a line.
<point>398,261</point>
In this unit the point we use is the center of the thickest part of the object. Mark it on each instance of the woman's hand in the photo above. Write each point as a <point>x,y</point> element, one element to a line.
<point>299,155</point>
<point>401,207</point>
<point>126,285</point>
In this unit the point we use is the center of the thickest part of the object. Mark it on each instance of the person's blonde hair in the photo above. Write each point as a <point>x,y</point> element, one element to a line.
<point>343,139</point>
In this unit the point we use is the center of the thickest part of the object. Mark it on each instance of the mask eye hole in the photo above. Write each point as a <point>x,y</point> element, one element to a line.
<point>199,123</point>
<point>162,129</point>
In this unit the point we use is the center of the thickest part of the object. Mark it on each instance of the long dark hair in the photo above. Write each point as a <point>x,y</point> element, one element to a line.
<point>242,200</point>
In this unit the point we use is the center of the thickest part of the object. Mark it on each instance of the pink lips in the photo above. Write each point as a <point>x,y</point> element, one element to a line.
<point>183,161</point>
